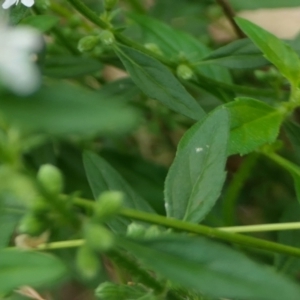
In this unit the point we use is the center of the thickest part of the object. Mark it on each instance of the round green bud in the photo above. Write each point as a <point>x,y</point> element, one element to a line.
<point>154,48</point>
<point>98,237</point>
<point>88,43</point>
<point>184,72</point>
<point>108,205</point>
<point>107,37</point>
<point>32,225</point>
<point>50,178</point>
<point>110,4</point>
<point>87,262</point>
<point>136,230</point>
<point>39,206</point>
<point>153,231</point>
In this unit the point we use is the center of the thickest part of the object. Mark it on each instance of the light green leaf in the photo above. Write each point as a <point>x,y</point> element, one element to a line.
<point>275,50</point>
<point>102,177</point>
<point>70,66</point>
<point>19,268</point>
<point>41,22</point>
<point>196,177</point>
<point>157,82</point>
<point>252,124</point>
<point>210,268</point>
<point>64,109</point>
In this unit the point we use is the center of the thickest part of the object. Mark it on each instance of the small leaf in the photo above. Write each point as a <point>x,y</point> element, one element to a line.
<point>157,82</point>
<point>239,54</point>
<point>210,268</point>
<point>70,66</point>
<point>41,22</point>
<point>275,50</point>
<point>196,177</point>
<point>102,177</point>
<point>252,124</point>
<point>19,268</point>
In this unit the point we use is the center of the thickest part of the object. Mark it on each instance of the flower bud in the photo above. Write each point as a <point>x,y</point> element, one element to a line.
<point>50,178</point>
<point>87,262</point>
<point>108,205</point>
<point>107,37</point>
<point>88,43</point>
<point>98,237</point>
<point>154,48</point>
<point>184,72</point>
<point>110,4</point>
<point>32,225</point>
<point>153,231</point>
<point>136,230</point>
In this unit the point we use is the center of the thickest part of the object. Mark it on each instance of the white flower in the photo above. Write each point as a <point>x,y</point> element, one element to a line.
<point>8,3</point>
<point>18,71</point>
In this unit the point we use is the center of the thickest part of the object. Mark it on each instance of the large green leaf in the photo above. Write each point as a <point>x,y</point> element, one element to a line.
<point>196,177</point>
<point>275,50</point>
<point>70,66</point>
<point>64,109</point>
<point>20,268</point>
<point>157,82</point>
<point>252,124</point>
<point>210,268</point>
<point>239,54</point>
<point>102,177</point>
<point>177,44</point>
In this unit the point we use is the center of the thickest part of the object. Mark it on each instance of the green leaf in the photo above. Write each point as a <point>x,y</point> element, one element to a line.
<point>259,4</point>
<point>157,82</point>
<point>102,177</point>
<point>41,22</point>
<point>178,46</point>
<point>70,66</point>
<point>252,124</point>
<point>19,268</point>
<point>239,54</point>
<point>210,268</point>
<point>275,50</point>
<point>196,177</point>
<point>17,13</point>
<point>64,109</point>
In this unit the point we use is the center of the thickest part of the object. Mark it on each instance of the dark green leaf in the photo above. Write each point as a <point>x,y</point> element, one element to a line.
<point>196,177</point>
<point>19,268</point>
<point>70,66</point>
<point>157,82</point>
<point>102,177</point>
<point>275,50</point>
<point>210,268</point>
<point>63,109</point>
<point>252,124</point>
<point>17,13</point>
<point>239,54</point>
<point>41,22</point>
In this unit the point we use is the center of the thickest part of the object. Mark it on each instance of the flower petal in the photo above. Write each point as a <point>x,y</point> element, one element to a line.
<point>27,3</point>
<point>8,3</point>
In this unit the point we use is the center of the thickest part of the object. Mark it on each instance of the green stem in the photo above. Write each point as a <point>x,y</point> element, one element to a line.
<point>262,227</point>
<point>286,164</point>
<point>200,229</point>
<point>234,189</point>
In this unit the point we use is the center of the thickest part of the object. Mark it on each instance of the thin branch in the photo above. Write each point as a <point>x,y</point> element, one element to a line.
<point>230,14</point>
